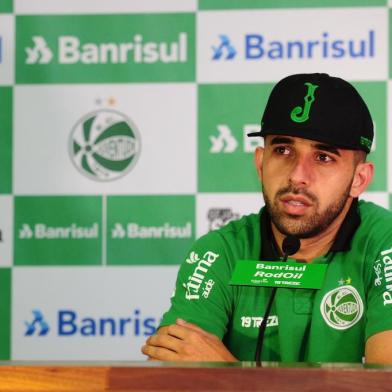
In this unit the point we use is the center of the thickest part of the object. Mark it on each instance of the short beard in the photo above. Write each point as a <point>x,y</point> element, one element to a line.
<point>304,227</point>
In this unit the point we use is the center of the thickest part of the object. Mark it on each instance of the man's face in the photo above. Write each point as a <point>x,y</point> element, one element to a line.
<point>306,184</point>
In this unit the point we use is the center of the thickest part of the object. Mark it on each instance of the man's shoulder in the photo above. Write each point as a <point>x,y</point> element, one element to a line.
<point>373,214</point>
<point>374,232</point>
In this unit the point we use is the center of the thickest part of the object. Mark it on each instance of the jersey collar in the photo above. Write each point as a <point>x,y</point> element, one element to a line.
<point>270,250</point>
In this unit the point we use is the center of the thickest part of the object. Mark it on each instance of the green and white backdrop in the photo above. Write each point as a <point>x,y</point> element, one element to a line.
<point>122,139</point>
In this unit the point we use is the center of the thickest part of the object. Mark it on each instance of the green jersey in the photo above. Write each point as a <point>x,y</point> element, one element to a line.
<point>331,324</point>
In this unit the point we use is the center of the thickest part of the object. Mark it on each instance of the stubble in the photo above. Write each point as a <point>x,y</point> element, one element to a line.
<point>304,226</point>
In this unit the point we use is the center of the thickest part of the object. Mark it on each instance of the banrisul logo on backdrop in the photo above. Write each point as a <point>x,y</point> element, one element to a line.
<point>267,44</point>
<point>224,50</point>
<point>71,323</point>
<point>57,230</point>
<point>223,143</point>
<point>37,326</point>
<point>86,48</point>
<point>149,229</point>
<point>266,47</point>
<point>71,51</point>
<point>104,145</point>
<point>39,53</point>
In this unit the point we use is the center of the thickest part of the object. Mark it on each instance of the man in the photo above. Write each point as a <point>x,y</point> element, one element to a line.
<point>317,131</point>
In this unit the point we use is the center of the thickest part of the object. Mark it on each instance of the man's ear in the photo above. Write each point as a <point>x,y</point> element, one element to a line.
<point>258,157</point>
<point>363,175</point>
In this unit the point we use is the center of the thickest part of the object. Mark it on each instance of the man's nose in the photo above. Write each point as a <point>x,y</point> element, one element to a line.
<point>301,172</point>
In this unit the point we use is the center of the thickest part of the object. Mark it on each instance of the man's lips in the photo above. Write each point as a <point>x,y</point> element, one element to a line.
<point>295,204</point>
<point>296,200</point>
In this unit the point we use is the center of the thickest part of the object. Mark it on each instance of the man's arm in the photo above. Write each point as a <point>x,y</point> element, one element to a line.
<point>206,266</point>
<point>186,342</point>
<point>378,348</point>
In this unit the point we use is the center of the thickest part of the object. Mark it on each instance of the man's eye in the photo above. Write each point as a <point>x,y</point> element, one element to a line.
<point>282,150</point>
<point>324,158</point>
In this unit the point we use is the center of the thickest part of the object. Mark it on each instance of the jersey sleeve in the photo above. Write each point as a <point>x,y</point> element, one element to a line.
<point>202,294</point>
<point>379,294</point>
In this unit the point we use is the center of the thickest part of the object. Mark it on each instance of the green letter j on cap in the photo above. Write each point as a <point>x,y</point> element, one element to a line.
<point>299,114</point>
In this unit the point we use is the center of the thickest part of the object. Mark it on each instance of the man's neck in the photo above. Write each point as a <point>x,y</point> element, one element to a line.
<point>318,245</point>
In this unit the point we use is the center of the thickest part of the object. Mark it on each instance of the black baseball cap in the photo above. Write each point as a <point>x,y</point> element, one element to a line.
<point>318,107</point>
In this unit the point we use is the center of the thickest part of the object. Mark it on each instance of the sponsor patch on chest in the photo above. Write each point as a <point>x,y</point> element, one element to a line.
<point>254,322</point>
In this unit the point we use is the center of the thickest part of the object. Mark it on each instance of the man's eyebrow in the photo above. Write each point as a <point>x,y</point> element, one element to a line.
<point>327,148</point>
<point>319,146</point>
<point>282,140</point>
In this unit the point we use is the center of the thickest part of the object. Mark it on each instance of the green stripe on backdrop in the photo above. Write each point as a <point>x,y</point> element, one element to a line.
<point>165,42</point>
<point>6,6</point>
<point>132,220</point>
<point>373,93</point>
<point>255,4</point>
<point>6,139</point>
<point>5,313</point>
<point>57,230</point>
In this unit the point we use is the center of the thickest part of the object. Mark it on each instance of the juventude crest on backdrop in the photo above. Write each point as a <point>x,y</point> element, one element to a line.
<point>104,145</point>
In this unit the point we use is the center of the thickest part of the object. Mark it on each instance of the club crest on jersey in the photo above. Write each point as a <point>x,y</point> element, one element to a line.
<point>342,307</point>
